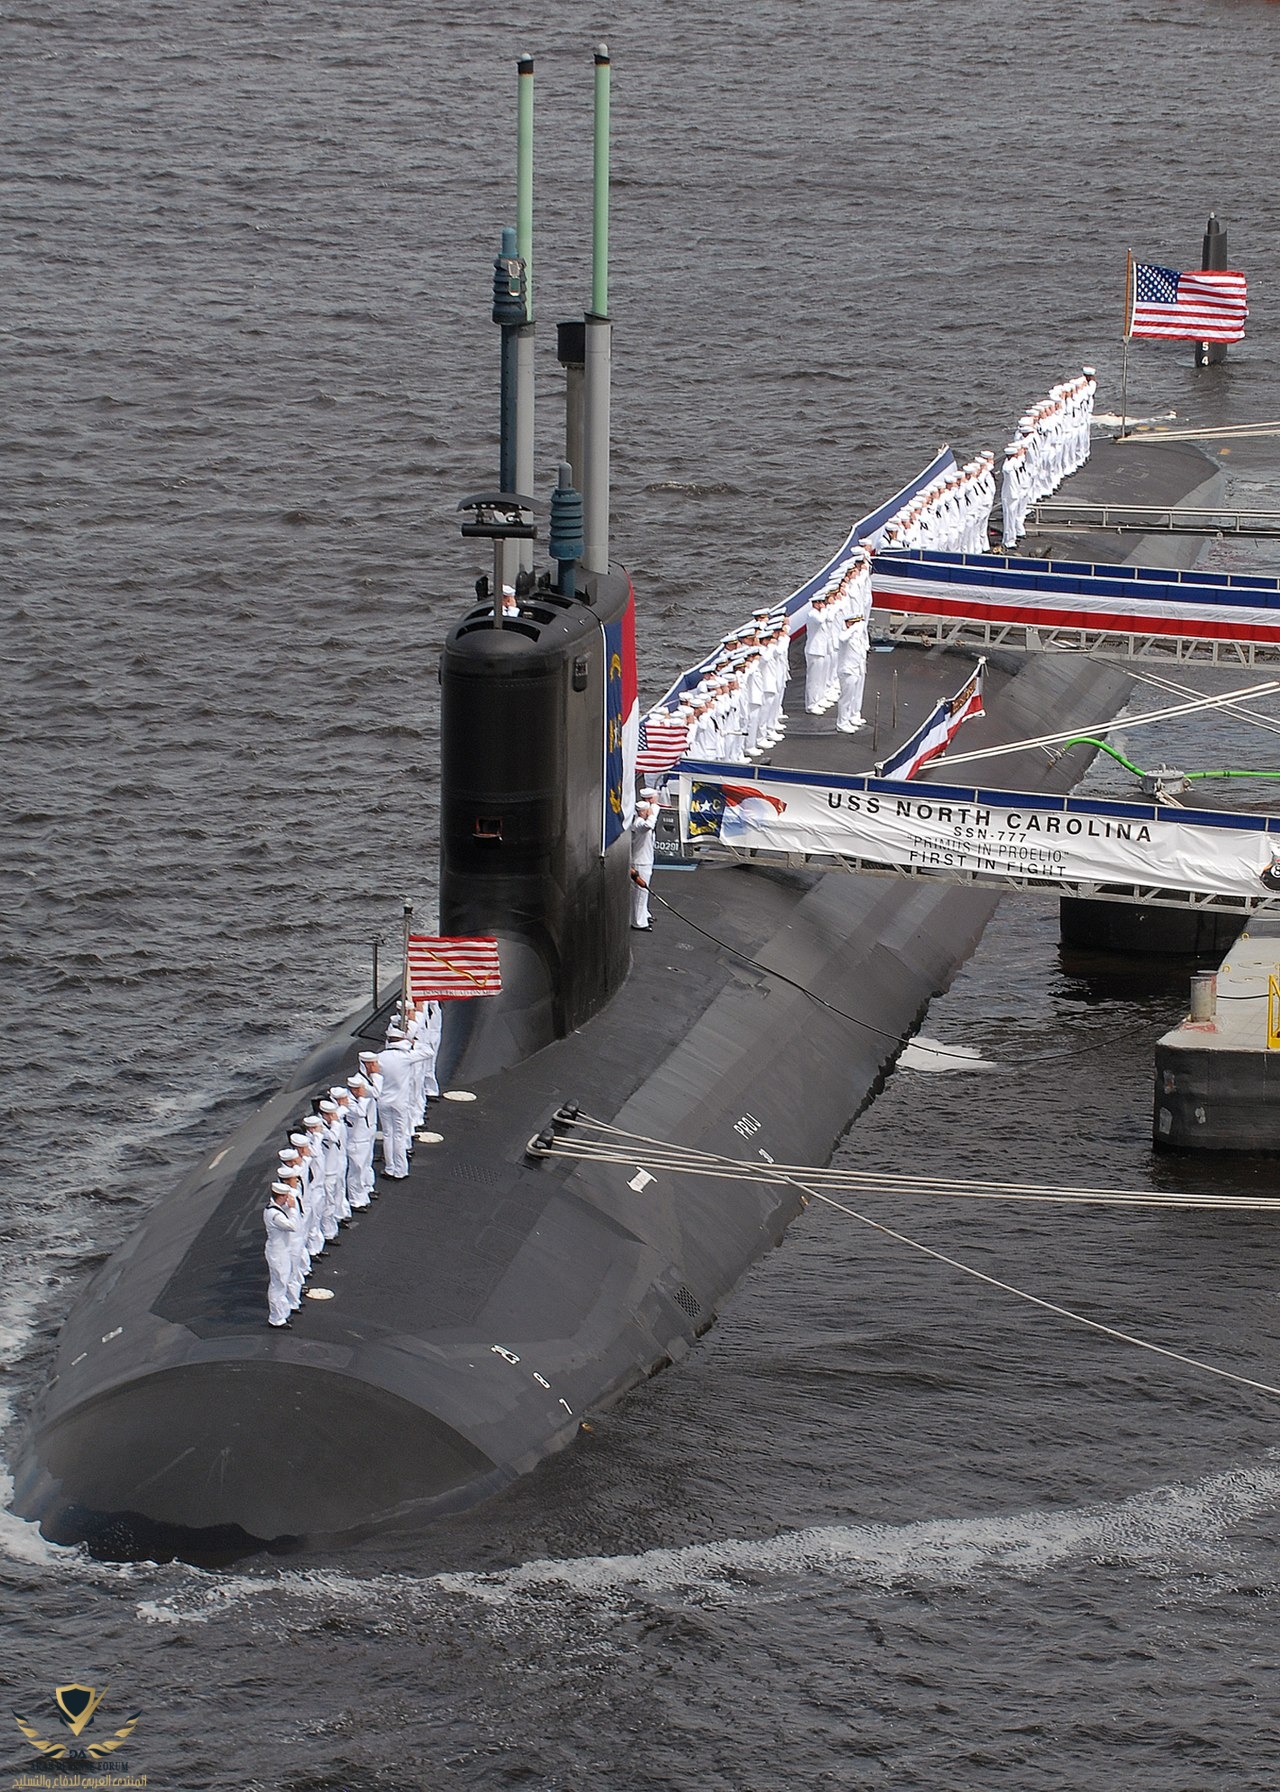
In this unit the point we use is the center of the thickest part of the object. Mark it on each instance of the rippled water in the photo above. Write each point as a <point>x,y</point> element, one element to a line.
<point>886,1527</point>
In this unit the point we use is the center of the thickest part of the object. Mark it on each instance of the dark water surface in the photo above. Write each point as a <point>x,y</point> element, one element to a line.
<point>886,1527</point>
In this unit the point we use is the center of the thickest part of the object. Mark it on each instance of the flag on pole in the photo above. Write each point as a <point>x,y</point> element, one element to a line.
<point>622,723</point>
<point>663,740</point>
<point>934,735</point>
<point>445,968</point>
<point>1193,307</point>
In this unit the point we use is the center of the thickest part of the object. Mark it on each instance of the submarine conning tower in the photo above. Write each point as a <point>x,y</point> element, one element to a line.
<point>536,691</point>
<point>532,843</point>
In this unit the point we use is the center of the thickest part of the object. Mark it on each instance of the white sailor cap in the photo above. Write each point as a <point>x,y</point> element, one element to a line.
<point>394,1032</point>
<point>359,1082</point>
<point>648,791</point>
<point>289,1173</point>
<point>1088,372</point>
<point>313,1120</point>
<point>328,1107</point>
<point>297,1138</point>
<point>368,1057</point>
<point>281,1188</point>
<point>339,1091</point>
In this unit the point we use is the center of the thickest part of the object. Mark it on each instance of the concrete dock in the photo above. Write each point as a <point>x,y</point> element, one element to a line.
<point>1217,1084</point>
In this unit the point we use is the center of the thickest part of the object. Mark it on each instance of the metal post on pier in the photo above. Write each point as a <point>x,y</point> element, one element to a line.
<point>1213,257</point>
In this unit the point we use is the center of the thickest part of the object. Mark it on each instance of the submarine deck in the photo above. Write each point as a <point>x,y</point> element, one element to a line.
<point>459,1206</point>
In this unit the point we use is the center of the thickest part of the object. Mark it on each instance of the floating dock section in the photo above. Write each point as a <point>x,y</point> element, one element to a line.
<point>1217,1082</point>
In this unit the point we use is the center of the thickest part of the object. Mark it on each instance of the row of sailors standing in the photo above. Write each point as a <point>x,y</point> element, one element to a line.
<point>735,710</point>
<point>836,642</point>
<point>1052,440</point>
<point>949,515</point>
<point>325,1173</point>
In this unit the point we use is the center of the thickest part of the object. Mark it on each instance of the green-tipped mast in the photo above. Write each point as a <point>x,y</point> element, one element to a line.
<point>524,249</point>
<point>595,445</point>
<point>600,190</point>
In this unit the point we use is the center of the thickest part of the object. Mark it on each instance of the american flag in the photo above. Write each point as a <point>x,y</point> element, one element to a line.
<point>663,740</point>
<point>444,968</point>
<point>1196,307</point>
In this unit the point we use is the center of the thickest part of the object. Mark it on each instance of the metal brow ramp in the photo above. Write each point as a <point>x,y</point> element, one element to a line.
<point>1145,853</point>
<point>1111,612</point>
<point>1145,519</point>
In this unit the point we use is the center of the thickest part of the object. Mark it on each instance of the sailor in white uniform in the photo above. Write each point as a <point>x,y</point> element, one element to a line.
<point>342,1096</point>
<point>289,1171</point>
<point>307,1204</point>
<point>333,1160</point>
<point>816,655</point>
<point>396,1066</point>
<point>853,674</point>
<point>642,828</point>
<point>360,1143</point>
<point>318,1236</point>
<point>281,1226</point>
<point>434,1026</point>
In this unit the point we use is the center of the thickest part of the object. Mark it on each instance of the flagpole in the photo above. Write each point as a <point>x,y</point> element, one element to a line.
<point>404,982</point>
<point>1128,328</point>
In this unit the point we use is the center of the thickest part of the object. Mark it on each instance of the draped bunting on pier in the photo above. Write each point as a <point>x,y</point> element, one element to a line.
<point>1135,600</point>
<point>988,835</point>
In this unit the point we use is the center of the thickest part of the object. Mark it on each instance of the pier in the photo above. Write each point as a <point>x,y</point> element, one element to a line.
<point>1217,1081</point>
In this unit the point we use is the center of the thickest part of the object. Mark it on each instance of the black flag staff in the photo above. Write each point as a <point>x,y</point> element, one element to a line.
<point>404,984</point>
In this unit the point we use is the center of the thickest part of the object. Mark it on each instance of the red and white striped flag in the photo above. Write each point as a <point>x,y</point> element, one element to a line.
<point>1195,307</point>
<point>444,968</point>
<point>663,740</point>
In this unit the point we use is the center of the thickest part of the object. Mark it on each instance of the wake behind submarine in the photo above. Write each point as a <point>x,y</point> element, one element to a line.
<point>489,1303</point>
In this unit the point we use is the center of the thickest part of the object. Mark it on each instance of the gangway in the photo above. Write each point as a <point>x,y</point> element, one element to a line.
<point>1145,519</point>
<point>1154,855</point>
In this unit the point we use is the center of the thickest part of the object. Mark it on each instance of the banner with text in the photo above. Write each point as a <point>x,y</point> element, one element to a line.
<point>992,833</point>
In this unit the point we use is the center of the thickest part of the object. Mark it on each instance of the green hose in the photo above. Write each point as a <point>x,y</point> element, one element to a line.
<point>1087,740</point>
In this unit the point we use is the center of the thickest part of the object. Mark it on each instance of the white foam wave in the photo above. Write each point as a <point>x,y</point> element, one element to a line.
<point>1167,1522</point>
<point>206,1599</point>
<point>1167,1526</point>
<point>19,1540</point>
<point>932,1055</point>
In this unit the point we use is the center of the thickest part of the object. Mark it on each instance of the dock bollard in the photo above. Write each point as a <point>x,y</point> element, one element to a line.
<point>1204,995</point>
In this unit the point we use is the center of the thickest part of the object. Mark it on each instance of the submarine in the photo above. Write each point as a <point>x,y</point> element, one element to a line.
<point>483,1308</point>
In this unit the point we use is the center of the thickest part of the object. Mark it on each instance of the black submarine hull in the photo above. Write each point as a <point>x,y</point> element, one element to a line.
<point>485,1306</point>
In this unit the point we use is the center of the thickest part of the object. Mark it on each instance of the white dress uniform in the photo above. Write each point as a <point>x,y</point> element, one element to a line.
<point>363,1125</point>
<point>817,627</point>
<point>333,1158</point>
<point>342,1095</point>
<point>642,828</point>
<point>853,675</point>
<point>307,1203</point>
<point>313,1183</point>
<point>431,1042</point>
<point>281,1228</point>
<point>393,1107</point>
